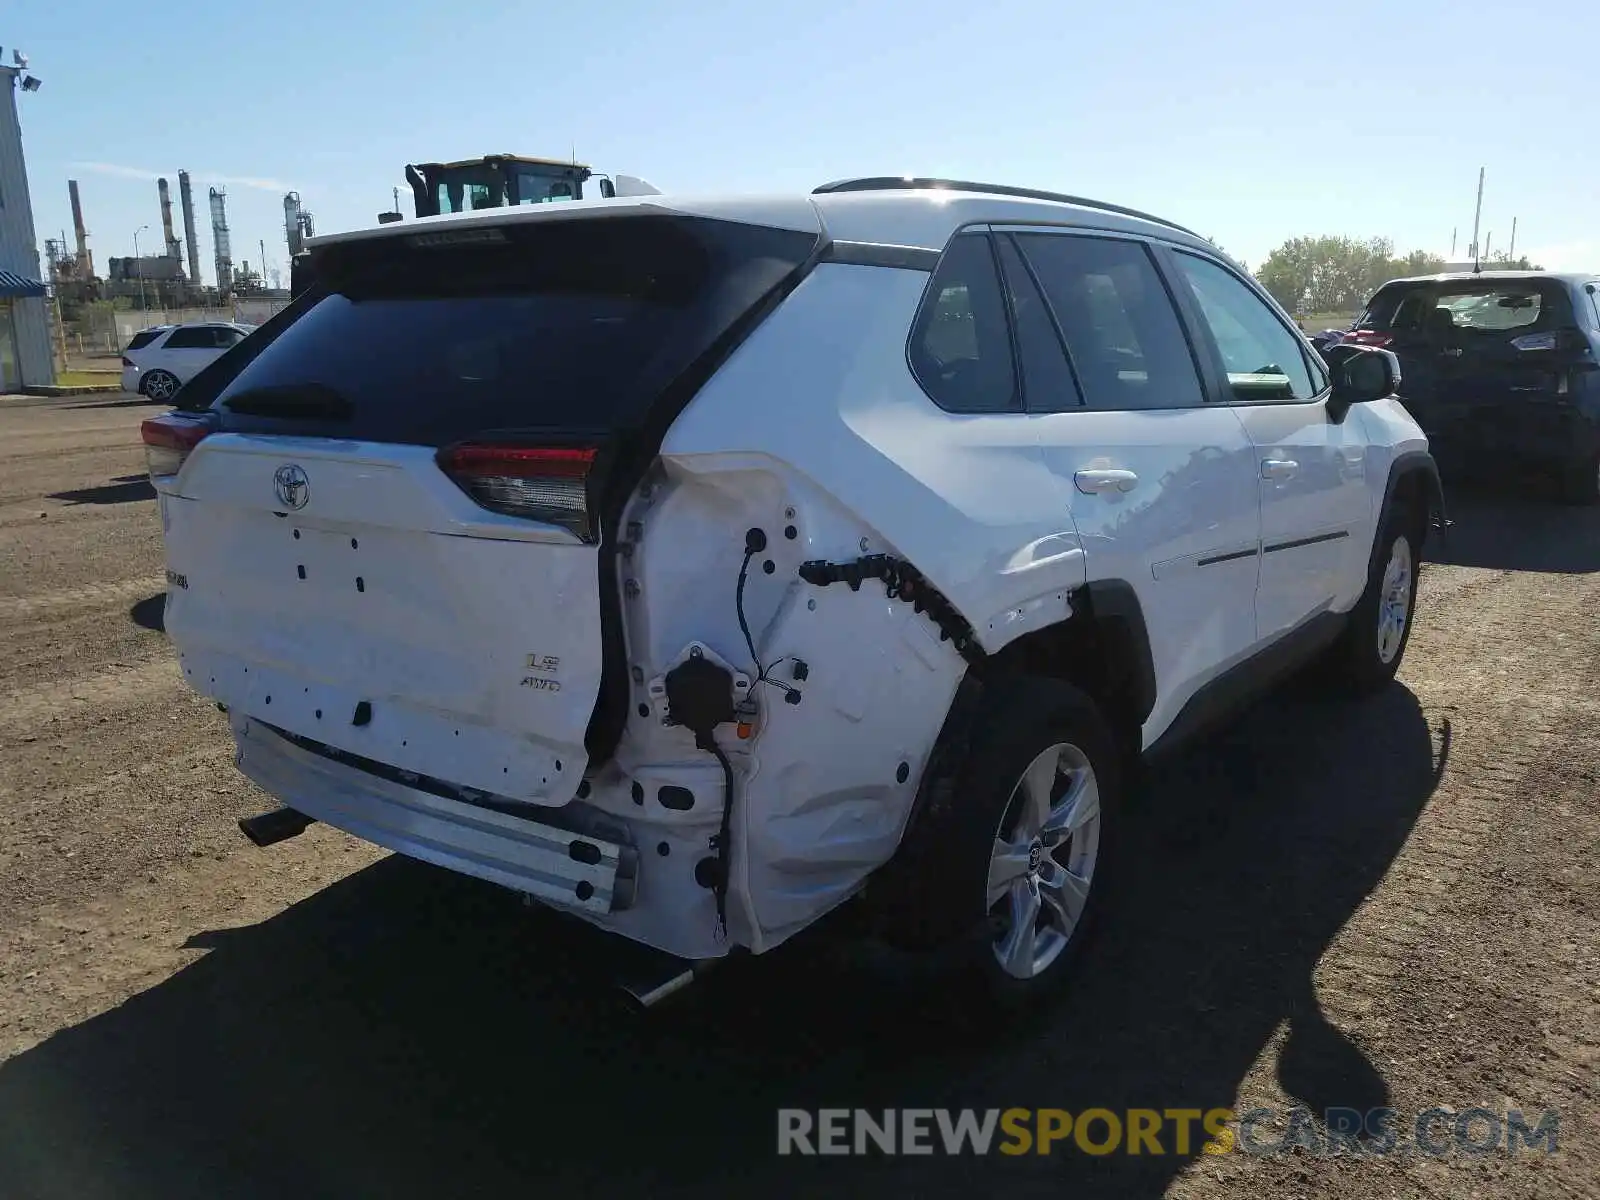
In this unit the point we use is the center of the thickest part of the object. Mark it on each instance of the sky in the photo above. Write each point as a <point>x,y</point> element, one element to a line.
<point>1250,122</point>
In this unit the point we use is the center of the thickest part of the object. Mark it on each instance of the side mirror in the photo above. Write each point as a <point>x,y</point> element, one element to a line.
<point>608,190</point>
<point>1361,374</point>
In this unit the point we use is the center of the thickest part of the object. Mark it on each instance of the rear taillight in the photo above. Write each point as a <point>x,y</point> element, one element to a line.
<point>126,361</point>
<point>537,483</point>
<point>1367,337</point>
<point>168,440</point>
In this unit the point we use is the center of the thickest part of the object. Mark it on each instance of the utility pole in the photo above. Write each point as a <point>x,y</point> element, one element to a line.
<point>1453,244</point>
<point>1512,253</point>
<point>1476,214</point>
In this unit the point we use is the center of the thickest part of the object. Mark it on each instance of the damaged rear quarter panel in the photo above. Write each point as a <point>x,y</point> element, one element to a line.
<point>817,423</point>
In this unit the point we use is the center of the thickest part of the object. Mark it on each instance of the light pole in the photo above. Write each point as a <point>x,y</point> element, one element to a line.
<point>138,265</point>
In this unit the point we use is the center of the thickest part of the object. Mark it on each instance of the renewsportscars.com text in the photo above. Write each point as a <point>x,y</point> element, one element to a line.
<point>1147,1131</point>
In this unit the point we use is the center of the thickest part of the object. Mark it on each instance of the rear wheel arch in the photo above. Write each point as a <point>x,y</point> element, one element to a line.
<point>1103,647</point>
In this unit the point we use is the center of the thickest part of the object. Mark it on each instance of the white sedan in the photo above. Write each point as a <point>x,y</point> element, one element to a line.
<point>160,360</point>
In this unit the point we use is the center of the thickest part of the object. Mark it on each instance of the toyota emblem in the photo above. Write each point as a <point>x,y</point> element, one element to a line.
<point>291,485</point>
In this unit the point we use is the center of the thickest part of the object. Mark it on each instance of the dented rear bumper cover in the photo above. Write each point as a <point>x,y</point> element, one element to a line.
<point>566,869</point>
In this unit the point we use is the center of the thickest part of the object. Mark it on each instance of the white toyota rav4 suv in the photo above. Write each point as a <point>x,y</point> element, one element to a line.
<point>697,565</point>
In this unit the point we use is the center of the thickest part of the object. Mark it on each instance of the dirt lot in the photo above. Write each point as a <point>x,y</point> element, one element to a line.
<point>1392,903</point>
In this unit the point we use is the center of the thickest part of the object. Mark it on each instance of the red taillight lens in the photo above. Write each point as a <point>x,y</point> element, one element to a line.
<point>126,361</point>
<point>544,483</point>
<point>1368,337</point>
<point>168,441</point>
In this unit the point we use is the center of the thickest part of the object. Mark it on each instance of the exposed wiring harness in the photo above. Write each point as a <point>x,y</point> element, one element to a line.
<point>901,581</point>
<point>700,697</point>
<point>722,843</point>
<point>755,541</point>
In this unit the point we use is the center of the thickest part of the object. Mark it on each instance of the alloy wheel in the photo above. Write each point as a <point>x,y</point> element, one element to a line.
<point>1043,861</point>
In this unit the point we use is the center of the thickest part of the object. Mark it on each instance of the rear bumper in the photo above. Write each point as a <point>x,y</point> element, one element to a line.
<point>570,870</point>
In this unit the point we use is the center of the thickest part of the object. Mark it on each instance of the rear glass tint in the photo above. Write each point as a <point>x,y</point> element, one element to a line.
<point>574,324</point>
<point>1490,306</point>
<point>1493,309</point>
<point>143,338</point>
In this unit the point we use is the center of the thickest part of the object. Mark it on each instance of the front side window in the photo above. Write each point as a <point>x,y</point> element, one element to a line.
<point>1264,361</point>
<point>1126,343</point>
<point>960,347</point>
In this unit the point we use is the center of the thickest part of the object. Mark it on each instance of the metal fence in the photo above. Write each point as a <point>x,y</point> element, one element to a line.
<point>109,332</point>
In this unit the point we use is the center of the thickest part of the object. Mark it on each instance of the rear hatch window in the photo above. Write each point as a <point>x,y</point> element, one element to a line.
<point>430,337</point>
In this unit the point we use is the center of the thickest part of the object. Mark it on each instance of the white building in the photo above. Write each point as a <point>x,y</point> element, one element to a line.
<point>25,358</point>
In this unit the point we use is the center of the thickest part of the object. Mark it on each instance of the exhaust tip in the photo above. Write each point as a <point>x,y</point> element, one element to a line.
<point>279,825</point>
<point>646,995</point>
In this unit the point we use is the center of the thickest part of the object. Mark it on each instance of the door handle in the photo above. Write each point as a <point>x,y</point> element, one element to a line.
<point>1092,483</point>
<point>1278,468</point>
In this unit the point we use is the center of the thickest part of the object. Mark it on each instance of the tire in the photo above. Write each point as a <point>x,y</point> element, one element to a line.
<point>1368,654</point>
<point>1040,754</point>
<point>160,386</point>
<point>1580,483</point>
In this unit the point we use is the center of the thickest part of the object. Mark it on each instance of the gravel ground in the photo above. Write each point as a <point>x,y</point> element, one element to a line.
<point>1391,903</point>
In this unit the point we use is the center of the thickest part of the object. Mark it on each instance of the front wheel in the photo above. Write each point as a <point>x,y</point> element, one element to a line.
<point>1368,654</point>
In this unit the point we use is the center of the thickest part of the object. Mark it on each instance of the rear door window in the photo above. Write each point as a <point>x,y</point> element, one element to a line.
<point>1047,381</point>
<point>1396,309</point>
<point>1127,346</point>
<point>573,325</point>
<point>198,338</point>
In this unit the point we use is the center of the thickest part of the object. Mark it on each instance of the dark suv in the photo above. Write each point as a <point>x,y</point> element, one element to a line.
<point>1500,368</point>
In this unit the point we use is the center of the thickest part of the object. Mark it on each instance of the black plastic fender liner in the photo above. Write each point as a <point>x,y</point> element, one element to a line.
<point>896,891</point>
<point>1413,464</point>
<point>1113,605</point>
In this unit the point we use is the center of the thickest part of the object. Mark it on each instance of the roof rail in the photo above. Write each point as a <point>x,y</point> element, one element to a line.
<point>897,183</point>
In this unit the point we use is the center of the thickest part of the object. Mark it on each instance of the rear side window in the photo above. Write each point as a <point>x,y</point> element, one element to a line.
<point>1123,334</point>
<point>960,349</point>
<point>1262,358</point>
<point>574,325</point>
<point>143,338</point>
<point>1396,309</point>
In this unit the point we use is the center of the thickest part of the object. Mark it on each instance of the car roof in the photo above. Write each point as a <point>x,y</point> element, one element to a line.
<point>911,212</point>
<point>1575,278</point>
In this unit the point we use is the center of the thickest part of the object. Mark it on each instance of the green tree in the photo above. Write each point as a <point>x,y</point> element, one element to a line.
<point>1328,273</point>
<point>1499,260</point>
